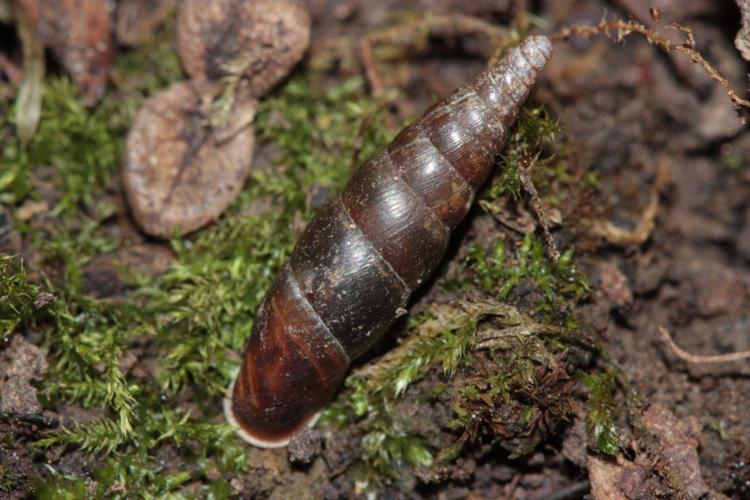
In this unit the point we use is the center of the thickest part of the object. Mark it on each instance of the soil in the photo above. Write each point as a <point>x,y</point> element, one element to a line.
<point>630,113</point>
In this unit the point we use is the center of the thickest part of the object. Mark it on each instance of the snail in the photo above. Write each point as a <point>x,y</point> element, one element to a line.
<point>355,265</point>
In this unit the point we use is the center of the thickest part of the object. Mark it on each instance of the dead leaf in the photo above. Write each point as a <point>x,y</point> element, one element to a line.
<point>742,41</point>
<point>670,469</point>
<point>605,476</point>
<point>255,42</point>
<point>137,20</point>
<point>21,363</point>
<point>79,33</point>
<point>181,168</point>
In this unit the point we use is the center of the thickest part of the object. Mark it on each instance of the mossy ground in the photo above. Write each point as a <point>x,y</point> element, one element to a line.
<point>496,352</point>
<point>195,317</point>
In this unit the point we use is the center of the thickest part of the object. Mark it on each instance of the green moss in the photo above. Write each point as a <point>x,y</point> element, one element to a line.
<point>441,337</point>
<point>720,428</point>
<point>523,394</point>
<point>520,390</point>
<point>496,273</point>
<point>60,487</point>
<point>16,296</point>
<point>732,162</point>
<point>138,473</point>
<point>151,66</point>
<point>323,137</point>
<point>78,144</point>
<point>602,429</point>
<point>533,130</point>
<point>15,181</point>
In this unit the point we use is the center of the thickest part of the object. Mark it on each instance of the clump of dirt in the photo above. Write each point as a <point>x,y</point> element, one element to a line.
<point>22,363</point>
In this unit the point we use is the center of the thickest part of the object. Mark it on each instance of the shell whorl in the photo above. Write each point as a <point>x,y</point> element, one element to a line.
<point>355,265</point>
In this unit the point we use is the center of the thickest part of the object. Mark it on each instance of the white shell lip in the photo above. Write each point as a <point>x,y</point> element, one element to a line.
<point>246,436</point>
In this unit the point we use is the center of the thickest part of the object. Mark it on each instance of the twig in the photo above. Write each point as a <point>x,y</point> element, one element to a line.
<point>373,77</point>
<point>694,358</point>
<point>368,63</point>
<point>642,232</point>
<point>625,28</point>
<point>524,174</point>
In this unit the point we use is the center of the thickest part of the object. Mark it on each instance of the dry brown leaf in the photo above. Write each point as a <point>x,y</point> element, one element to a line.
<point>679,440</point>
<point>79,33</point>
<point>256,42</point>
<point>742,41</point>
<point>671,468</point>
<point>605,476</point>
<point>180,172</point>
<point>20,364</point>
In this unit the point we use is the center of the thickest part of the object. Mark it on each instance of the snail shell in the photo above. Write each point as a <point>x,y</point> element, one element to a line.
<point>358,261</point>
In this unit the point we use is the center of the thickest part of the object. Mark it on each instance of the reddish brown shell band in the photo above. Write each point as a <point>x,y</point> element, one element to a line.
<point>355,265</point>
<point>288,333</point>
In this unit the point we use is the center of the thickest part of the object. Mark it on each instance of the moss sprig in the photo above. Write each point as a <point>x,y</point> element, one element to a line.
<point>534,130</point>
<point>445,337</point>
<point>497,273</point>
<point>16,295</point>
<point>601,425</point>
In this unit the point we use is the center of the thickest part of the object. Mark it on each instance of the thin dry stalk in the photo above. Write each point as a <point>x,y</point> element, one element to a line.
<point>625,28</point>
<point>638,236</point>
<point>696,358</point>
<point>524,174</point>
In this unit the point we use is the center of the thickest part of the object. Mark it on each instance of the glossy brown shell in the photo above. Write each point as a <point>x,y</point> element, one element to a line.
<point>356,264</point>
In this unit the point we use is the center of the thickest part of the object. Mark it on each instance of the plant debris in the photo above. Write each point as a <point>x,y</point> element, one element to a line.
<point>742,40</point>
<point>137,20</point>
<point>694,358</point>
<point>180,172</point>
<point>79,32</point>
<point>615,285</point>
<point>675,473</point>
<point>22,363</point>
<point>253,44</point>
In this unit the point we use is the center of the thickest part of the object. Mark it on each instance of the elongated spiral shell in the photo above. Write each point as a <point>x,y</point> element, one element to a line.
<point>358,261</point>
